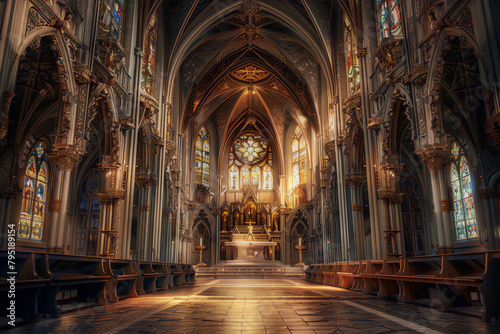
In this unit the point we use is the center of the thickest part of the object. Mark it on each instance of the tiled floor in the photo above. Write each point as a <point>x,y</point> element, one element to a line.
<point>259,306</point>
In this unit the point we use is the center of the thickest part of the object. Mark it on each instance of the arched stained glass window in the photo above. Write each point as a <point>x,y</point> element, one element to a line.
<point>299,153</point>
<point>256,177</point>
<point>267,177</point>
<point>34,203</point>
<point>149,60</point>
<point>234,177</point>
<point>250,162</point>
<point>87,229</point>
<point>389,18</point>
<point>202,157</point>
<point>111,18</point>
<point>351,57</point>
<point>463,203</point>
<point>245,176</point>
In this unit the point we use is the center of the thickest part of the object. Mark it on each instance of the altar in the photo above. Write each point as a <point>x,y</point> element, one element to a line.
<point>252,246</point>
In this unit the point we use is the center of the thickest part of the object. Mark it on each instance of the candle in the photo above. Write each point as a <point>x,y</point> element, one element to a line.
<point>300,241</point>
<point>201,241</point>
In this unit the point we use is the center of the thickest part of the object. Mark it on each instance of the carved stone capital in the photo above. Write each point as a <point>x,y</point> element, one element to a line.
<point>9,193</point>
<point>145,180</point>
<point>356,207</point>
<point>64,156</point>
<point>110,196</point>
<point>355,180</point>
<point>434,155</point>
<point>330,150</point>
<point>486,193</point>
<point>446,205</point>
<point>492,126</point>
<point>82,73</point>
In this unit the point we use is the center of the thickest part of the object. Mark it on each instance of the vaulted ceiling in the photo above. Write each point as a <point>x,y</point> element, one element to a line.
<point>262,61</point>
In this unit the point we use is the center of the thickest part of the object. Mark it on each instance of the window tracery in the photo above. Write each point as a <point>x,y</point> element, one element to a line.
<point>34,202</point>
<point>463,202</point>
<point>298,158</point>
<point>388,19</point>
<point>202,158</point>
<point>111,17</point>
<point>149,59</point>
<point>250,162</point>
<point>352,63</point>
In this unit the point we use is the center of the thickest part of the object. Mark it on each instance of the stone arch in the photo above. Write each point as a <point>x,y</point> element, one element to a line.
<point>67,107</point>
<point>400,98</point>
<point>202,211</point>
<point>294,212</point>
<point>437,64</point>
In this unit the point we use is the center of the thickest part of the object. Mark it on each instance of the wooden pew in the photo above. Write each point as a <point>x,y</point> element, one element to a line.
<point>123,279</point>
<point>335,270</point>
<point>189,272</point>
<point>320,273</point>
<point>85,274</point>
<point>357,284</point>
<point>162,275</point>
<point>314,272</point>
<point>307,272</point>
<point>28,284</point>
<point>146,281</point>
<point>417,276</point>
<point>346,273</point>
<point>490,289</point>
<point>328,273</point>
<point>387,278</point>
<point>370,280</point>
<point>179,278</point>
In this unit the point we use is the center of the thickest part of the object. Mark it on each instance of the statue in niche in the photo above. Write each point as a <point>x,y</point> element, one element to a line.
<point>236,218</point>
<point>263,218</point>
<point>275,222</point>
<point>224,221</point>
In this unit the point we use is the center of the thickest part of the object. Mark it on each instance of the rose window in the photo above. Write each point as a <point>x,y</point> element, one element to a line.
<point>250,148</point>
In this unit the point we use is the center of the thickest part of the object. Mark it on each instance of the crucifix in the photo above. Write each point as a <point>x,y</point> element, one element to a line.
<point>250,236</point>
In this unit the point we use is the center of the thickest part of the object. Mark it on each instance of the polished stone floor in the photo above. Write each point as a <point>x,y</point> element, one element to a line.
<point>258,306</point>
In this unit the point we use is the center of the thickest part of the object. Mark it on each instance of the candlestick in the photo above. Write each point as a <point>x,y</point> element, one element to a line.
<point>201,241</point>
<point>300,241</point>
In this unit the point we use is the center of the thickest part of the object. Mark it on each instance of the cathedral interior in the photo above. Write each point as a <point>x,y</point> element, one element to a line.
<point>351,143</point>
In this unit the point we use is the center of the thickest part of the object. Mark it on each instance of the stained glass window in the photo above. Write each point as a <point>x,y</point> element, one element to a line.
<point>351,57</point>
<point>267,177</point>
<point>299,153</point>
<point>389,18</point>
<point>202,158</point>
<point>87,228</point>
<point>234,177</point>
<point>463,202</point>
<point>33,208</point>
<point>250,148</point>
<point>111,18</point>
<point>250,162</point>
<point>149,60</point>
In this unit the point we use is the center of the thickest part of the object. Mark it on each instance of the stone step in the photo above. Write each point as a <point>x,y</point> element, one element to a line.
<point>250,271</point>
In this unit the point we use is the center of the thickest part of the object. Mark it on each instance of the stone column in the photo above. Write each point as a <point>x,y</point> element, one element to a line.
<point>355,182</point>
<point>63,157</point>
<point>436,156</point>
<point>487,195</point>
<point>389,193</point>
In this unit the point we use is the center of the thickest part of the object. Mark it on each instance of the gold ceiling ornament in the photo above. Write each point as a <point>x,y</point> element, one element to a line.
<point>250,73</point>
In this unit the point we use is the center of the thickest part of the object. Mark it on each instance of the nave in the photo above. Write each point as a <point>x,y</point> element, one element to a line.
<point>259,306</point>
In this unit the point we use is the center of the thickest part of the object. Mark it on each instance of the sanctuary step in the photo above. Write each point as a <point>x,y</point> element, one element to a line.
<point>272,269</point>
